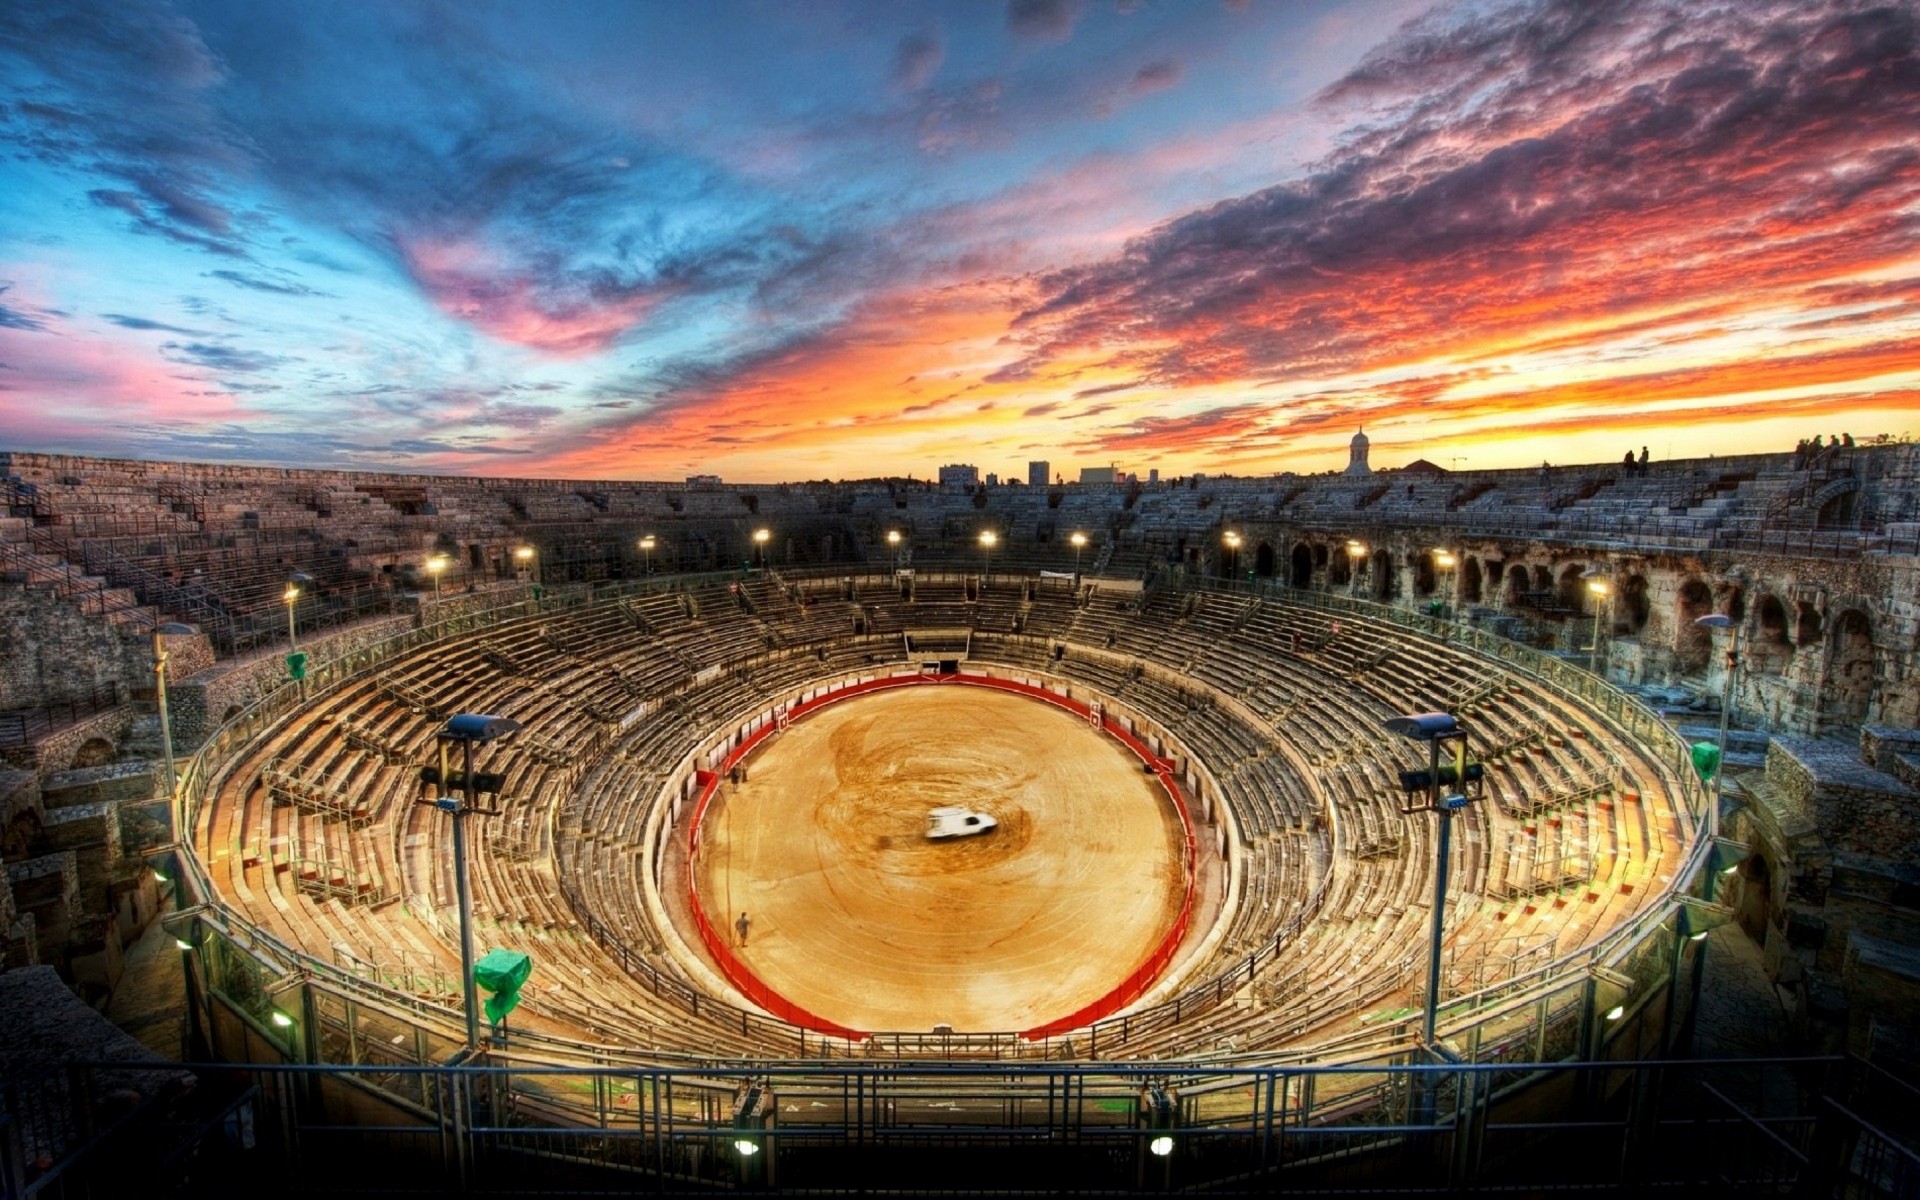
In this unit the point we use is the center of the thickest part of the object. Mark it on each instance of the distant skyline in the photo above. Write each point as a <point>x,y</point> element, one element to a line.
<point>853,239</point>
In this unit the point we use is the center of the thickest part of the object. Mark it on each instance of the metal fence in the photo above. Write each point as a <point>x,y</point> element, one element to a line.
<point>494,1125</point>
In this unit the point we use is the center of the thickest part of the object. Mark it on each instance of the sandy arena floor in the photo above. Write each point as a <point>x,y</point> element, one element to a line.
<point>858,918</point>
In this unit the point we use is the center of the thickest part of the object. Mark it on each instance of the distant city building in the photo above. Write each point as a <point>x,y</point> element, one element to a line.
<point>959,475</point>
<point>993,479</point>
<point>697,480</point>
<point>1098,474</point>
<point>1038,473</point>
<point>1357,455</point>
<point>1153,475</point>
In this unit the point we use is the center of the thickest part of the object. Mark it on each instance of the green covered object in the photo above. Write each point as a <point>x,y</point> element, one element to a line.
<point>1706,759</point>
<point>502,972</point>
<point>297,664</point>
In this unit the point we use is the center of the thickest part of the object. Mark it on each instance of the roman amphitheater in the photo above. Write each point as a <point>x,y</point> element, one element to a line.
<point>1196,948</point>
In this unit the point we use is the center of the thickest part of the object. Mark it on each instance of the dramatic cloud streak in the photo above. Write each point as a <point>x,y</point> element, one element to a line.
<point>838,239</point>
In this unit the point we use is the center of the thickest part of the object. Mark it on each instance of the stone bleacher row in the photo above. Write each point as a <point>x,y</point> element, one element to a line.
<point>1281,706</point>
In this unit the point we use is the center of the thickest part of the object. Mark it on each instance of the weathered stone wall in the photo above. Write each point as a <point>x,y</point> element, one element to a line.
<point>100,734</point>
<point>50,652</point>
<point>200,703</point>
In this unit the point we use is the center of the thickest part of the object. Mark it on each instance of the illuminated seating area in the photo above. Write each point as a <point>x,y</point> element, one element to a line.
<point>315,835</point>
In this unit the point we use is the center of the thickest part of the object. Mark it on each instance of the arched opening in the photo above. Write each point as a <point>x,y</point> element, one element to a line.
<point>1772,647</point>
<point>1634,607</point>
<point>1425,574</point>
<point>1806,625</point>
<point>1568,591</point>
<point>1543,580</point>
<point>1470,581</point>
<point>233,710</point>
<point>20,836</point>
<point>1263,564</point>
<point>1753,907</point>
<point>1386,585</point>
<point>1518,581</point>
<point>93,752</point>
<point>1340,568</point>
<point>1300,565</point>
<point>1320,557</point>
<point>1849,689</point>
<point>1691,643</point>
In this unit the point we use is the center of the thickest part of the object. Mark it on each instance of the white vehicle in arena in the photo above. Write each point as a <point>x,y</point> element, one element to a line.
<point>953,822</point>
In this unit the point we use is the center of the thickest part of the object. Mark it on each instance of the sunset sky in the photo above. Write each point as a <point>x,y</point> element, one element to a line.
<point>840,239</point>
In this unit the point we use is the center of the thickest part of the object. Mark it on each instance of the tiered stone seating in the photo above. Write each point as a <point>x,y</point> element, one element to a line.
<point>1282,712</point>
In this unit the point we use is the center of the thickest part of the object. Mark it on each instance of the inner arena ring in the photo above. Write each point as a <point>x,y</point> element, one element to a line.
<point>1066,911</point>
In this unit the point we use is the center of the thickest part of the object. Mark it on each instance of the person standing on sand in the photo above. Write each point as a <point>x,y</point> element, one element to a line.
<point>741,926</point>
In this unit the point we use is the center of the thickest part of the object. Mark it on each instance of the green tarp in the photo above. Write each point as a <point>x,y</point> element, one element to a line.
<point>502,972</point>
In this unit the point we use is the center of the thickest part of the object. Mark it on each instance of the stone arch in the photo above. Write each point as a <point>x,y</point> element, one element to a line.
<point>1806,625</point>
<point>1386,584</point>
<point>1519,581</point>
<point>1772,645</point>
<point>1753,907</point>
<point>94,752</point>
<point>1340,567</point>
<point>1543,579</point>
<point>1849,686</point>
<point>1568,590</point>
<point>1263,560</point>
<point>20,835</point>
<point>1634,609</point>
<point>1320,557</point>
<point>1426,574</point>
<point>1470,579</point>
<point>1300,565</point>
<point>1691,643</point>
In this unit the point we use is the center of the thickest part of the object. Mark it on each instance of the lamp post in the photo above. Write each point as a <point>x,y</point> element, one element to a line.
<point>1232,540</point>
<point>988,539</point>
<point>292,597</point>
<point>647,544</point>
<point>436,563</point>
<point>160,657</point>
<point>1444,562</point>
<point>466,729</point>
<point>1722,621</point>
<point>1079,541</point>
<point>527,558</point>
<point>1434,729</point>
<point>893,546</point>
<point>1356,557</point>
<point>760,537</point>
<point>1602,590</point>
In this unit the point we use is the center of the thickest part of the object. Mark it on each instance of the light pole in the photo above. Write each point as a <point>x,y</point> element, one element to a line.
<point>647,544</point>
<point>1232,540</point>
<point>292,597</point>
<point>1434,729</point>
<point>1722,621</point>
<point>160,657</point>
<point>1356,558</point>
<point>1079,541</point>
<point>760,537</point>
<point>988,539</point>
<point>466,729</point>
<point>1602,590</point>
<point>893,545</point>
<point>436,563</point>
<point>526,556</point>
<point>1444,562</point>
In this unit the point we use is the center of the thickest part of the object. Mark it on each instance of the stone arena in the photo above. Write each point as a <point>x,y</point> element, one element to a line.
<point>1208,849</point>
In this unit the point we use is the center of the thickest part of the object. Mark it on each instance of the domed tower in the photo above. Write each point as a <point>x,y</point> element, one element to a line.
<point>1357,456</point>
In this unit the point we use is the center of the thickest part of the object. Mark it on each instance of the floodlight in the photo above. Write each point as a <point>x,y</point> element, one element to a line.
<point>1161,1145</point>
<point>1422,727</point>
<point>474,727</point>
